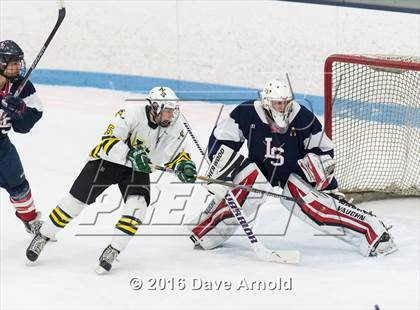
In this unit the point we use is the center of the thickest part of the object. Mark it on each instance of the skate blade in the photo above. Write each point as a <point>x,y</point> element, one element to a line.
<point>286,257</point>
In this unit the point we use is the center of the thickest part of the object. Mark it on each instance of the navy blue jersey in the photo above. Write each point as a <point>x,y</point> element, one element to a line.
<point>30,117</point>
<point>276,154</point>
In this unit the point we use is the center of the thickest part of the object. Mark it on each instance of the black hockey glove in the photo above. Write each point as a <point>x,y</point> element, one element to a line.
<point>14,107</point>
<point>186,171</point>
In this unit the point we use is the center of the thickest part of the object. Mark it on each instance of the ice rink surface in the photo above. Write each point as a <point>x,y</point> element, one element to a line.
<point>331,275</point>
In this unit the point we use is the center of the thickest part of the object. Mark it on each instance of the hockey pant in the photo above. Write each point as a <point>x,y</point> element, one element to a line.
<point>13,180</point>
<point>217,223</point>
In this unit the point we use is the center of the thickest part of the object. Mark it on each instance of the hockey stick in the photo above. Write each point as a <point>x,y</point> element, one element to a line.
<point>285,257</point>
<point>277,256</point>
<point>197,144</point>
<point>61,15</point>
<point>234,185</point>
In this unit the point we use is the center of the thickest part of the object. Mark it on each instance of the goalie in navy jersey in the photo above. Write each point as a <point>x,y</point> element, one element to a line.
<point>18,114</point>
<point>287,147</point>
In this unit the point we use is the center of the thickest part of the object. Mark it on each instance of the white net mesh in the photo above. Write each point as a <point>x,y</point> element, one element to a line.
<point>376,125</point>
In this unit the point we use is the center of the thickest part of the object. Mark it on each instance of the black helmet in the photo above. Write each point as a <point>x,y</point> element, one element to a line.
<point>10,51</point>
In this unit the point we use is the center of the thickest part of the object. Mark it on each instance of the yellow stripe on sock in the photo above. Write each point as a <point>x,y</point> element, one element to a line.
<point>56,221</point>
<point>63,217</point>
<point>127,229</point>
<point>129,221</point>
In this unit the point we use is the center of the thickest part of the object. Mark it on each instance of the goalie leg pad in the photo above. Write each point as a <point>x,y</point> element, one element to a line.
<point>216,225</point>
<point>219,223</point>
<point>66,210</point>
<point>332,216</point>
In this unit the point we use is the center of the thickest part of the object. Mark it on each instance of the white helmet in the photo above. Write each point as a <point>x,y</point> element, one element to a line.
<point>161,98</point>
<point>278,90</point>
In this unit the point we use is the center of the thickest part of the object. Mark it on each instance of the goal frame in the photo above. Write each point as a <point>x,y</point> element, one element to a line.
<point>379,61</point>
<point>355,59</point>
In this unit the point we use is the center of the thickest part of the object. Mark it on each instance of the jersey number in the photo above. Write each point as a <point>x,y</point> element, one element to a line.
<point>109,130</point>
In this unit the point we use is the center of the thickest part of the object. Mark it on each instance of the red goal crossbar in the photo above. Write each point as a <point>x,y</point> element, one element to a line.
<point>355,59</point>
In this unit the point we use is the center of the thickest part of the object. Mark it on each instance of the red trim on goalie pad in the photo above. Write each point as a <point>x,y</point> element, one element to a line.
<point>326,183</point>
<point>323,210</point>
<point>210,222</point>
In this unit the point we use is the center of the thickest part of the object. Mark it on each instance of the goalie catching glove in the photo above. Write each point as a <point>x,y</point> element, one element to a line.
<point>186,171</point>
<point>139,159</point>
<point>318,169</point>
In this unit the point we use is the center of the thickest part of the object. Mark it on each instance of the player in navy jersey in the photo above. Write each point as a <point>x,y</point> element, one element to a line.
<point>18,114</point>
<point>287,147</point>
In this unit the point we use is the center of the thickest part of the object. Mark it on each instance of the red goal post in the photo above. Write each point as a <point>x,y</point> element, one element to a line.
<point>372,113</point>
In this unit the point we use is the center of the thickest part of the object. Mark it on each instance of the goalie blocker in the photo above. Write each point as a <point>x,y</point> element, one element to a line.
<point>325,212</point>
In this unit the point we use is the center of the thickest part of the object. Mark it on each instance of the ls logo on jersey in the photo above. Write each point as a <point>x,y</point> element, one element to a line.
<point>274,153</point>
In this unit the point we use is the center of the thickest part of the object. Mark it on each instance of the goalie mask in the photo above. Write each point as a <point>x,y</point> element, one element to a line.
<point>276,99</point>
<point>164,104</point>
<point>12,64</point>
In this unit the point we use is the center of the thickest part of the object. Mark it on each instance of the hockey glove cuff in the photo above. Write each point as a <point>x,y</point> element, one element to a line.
<point>139,159</point>
<point>186,171</point>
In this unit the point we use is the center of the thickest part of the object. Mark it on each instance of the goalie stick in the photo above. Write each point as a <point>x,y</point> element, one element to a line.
<point>277,256</point>
<point>61,15</point>
<point>234,185</point>
<point>193,137</point>
<point>285,257</point>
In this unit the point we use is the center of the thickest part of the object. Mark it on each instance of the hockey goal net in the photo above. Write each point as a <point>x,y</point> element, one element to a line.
<point>372,113</point>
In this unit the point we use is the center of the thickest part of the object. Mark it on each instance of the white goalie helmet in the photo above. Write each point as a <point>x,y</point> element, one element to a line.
<point>161,98</point>
<point>278,91</point>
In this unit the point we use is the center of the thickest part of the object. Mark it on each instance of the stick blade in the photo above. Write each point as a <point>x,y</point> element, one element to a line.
<point>286,257</point>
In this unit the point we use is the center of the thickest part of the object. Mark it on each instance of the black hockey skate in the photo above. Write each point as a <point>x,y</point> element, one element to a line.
<point>36,246</point>
<point>106,259</point>
<point>34,226</point>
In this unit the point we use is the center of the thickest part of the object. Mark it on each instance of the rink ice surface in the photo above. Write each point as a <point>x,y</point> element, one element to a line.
<point>331,275</point>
